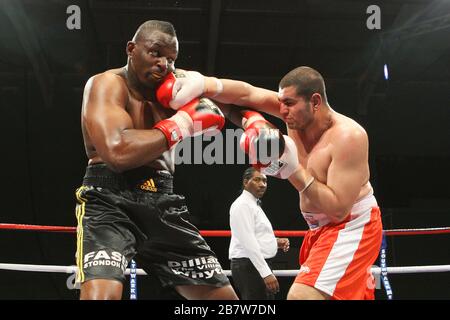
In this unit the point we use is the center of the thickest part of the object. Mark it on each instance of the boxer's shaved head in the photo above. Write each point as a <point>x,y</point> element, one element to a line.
<point>306,81</point>
<point>149,26</point>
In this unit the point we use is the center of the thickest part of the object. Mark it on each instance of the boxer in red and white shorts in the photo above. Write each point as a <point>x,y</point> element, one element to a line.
<point>336,258</point>
<point>326,159</point>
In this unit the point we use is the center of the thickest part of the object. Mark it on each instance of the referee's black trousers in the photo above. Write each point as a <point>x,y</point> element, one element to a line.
<point>247,281</point>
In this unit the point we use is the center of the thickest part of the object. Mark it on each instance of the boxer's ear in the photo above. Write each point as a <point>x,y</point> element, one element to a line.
<point>131,45</point>
<point>316,101</point>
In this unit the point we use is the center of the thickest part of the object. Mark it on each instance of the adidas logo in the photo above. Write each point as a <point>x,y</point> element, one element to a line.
<point>149,185</point>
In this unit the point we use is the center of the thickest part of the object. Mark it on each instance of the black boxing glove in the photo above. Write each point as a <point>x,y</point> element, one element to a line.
<point>261,140</point>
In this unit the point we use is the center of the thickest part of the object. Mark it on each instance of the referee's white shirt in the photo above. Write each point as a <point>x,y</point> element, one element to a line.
<point>251,233</point>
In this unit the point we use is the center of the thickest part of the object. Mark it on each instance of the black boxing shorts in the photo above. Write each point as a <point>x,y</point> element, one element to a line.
<point>135,215</point>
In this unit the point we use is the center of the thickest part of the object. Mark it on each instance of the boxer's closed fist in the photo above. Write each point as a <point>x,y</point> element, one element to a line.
<point>197,117</point>
<point>261,140</point>
<point>287,164</point>
<point>177,89</point>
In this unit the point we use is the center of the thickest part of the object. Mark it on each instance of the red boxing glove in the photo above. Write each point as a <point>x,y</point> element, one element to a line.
<point>164,92</point>
<point>177,89</point>
<point>196,117</point>
<point>261,140</point>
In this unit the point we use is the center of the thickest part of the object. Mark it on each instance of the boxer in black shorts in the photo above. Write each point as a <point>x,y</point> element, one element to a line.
<point>126,207</point>
<point>136,214</point>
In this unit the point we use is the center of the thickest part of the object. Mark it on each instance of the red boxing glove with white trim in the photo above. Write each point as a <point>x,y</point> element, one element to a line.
<point>169,93</point>
<point>165,91</point>
<point>195,118</point>
<point>261,140</point>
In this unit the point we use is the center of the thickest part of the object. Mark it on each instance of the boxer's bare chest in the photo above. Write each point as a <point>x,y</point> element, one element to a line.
<point>145,114</point>
<point>315,158</point>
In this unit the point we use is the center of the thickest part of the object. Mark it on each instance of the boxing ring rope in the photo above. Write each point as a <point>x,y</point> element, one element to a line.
<point>280,273</point>
<point>227,233</point>
<point>133,271</point>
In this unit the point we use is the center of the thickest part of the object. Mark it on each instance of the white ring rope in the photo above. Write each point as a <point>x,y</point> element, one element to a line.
<point>282,273</point>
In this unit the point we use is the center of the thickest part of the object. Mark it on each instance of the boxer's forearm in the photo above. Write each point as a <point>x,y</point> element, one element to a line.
<point>133,148</point>
<point>320,195</point>
<point>241,93</point>
<point>230,91</point>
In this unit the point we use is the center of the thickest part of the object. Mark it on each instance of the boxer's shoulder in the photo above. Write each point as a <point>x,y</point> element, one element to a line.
<point>111,77</point>
<point>110,81</point>
<point>345,125</point>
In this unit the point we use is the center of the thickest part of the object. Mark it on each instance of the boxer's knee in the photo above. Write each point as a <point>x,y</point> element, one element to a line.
<point>204,292</point>
<point>300,291</point>
<point>101,289</point>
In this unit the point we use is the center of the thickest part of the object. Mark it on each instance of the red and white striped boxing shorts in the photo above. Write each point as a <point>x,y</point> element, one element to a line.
<point>336,258</point>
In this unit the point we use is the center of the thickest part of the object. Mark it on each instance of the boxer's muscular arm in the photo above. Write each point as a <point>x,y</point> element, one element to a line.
<point>243,94</point>
<point>110,127</point>
<point>186,85</point>
<point>347,173</point>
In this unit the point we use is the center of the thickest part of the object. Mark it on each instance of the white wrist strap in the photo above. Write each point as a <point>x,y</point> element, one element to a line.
<point>219,87</point>
<point>308,184</point>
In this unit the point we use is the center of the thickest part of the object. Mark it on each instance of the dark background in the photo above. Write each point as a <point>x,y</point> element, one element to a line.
<point>44,66</point>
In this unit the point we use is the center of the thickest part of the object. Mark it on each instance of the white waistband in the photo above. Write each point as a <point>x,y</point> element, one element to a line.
<point>363,204</point>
